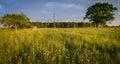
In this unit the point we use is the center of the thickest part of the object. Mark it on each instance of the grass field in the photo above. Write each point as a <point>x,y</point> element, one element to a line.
<point>60,46</point>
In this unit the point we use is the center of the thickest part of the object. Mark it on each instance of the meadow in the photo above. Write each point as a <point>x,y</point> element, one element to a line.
<point>60,46</point>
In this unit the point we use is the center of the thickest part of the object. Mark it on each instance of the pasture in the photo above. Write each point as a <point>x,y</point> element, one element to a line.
<point>60,46</point>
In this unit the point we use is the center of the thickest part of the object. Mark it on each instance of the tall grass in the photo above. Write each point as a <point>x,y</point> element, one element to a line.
<point>60,46</point>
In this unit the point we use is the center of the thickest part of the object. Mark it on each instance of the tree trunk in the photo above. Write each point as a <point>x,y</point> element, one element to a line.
<point>15,26</point>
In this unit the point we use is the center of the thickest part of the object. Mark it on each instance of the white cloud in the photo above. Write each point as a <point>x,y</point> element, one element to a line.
<point>114,23</point>
<point>63,5</point>
<point>118,13</point>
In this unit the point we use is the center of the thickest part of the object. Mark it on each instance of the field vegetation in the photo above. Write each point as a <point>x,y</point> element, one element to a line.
<point>60,46</point>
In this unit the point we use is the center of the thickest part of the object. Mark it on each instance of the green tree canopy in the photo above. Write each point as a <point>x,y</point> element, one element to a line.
<point>100,13</point>
<point>15,20</point>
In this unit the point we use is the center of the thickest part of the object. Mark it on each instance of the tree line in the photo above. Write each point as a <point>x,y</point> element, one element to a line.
<point>60,24</point>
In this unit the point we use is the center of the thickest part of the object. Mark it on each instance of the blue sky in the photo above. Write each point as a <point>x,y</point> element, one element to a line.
<point>65,10</point>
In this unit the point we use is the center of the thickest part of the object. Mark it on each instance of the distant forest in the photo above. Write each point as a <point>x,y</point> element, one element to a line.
<point>63,24</point>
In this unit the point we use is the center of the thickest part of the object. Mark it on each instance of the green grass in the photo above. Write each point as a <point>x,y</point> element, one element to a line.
<point>60,46</point>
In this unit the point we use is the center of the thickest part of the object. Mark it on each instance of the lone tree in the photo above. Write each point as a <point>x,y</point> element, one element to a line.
<point>15,21</point>
<point>100,13</point>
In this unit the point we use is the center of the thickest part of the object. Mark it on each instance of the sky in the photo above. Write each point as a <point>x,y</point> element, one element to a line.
<point>64,10</point>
